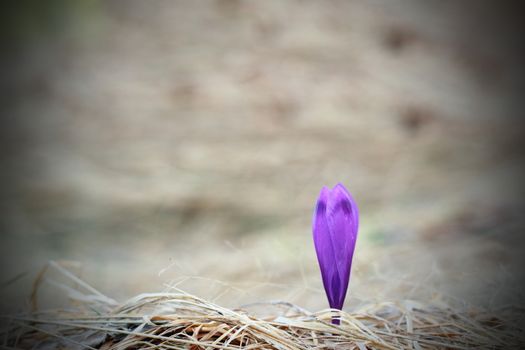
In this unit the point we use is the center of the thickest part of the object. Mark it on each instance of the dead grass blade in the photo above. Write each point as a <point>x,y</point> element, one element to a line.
<point>178,320</point>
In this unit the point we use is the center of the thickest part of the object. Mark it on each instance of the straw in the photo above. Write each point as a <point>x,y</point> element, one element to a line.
<point>178,320</point>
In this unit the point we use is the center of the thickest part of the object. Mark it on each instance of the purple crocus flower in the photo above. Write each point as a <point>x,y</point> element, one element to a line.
<point>335,224</point>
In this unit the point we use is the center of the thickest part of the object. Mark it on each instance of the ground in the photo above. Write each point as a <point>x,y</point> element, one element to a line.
<point>161,143</point>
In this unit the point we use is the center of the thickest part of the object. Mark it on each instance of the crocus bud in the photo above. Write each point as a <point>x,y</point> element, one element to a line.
<point>334,226</point>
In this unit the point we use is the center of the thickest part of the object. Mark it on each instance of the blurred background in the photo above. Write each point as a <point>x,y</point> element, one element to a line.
<point>149,144</point>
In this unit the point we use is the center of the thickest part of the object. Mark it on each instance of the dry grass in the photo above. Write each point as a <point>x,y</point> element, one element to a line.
<point>177,320</point>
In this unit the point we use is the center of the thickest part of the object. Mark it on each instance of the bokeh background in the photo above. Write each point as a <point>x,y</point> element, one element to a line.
<point>149,144</point>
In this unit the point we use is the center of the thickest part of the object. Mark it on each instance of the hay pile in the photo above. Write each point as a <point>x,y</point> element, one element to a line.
<point>177,320</point>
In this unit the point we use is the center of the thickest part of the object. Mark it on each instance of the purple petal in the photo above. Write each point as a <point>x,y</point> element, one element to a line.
<point>323,243</point>
<point>335,225</point>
